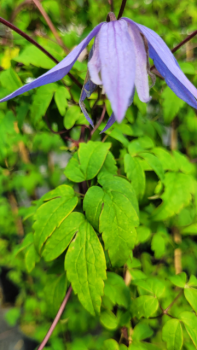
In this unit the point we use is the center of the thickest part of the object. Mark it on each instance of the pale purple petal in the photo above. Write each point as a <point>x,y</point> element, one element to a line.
<point>59,71</point>
<point>110,122</point>
<point>168,67</point>
<point>141,75</point>
<point>94,65</point>
<point>117,59</point>
<point>87,90</point>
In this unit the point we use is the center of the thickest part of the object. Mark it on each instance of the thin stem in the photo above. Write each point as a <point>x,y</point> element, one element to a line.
<point>165,312</point>
<point>100,120</point>
<point>122,8</point>
<point>32,41</point>
<point>56,319</point>
<point>50,24</point>
<point>180,44</point>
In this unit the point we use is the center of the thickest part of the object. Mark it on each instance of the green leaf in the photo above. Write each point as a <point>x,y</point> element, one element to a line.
<point>85,265</point>
<point>183,163</point>
<point>143,233</point>
<point>192,281</point>
<point>177,194</point>
<point>33,55</point>
<point>179,280</point>
<point>61,202</point>
<point>158,245</point>
<point>171,104</point>
<point>27,241</point>
<point>62,236</point>
<point>144,306</point>
<point>73,113</point>
<point>190,230</point>
<point>172,334</point>
<point>41,101</point>
<point>92,205</point>
<point>10,80</point>
<point>191,296</point>
<point>116,290</point>
<point>190,323</point>
<point>12,316</point>
<point>142,331</point>
<point>154,163</point>
<point>167,160</point>
<point>135,174</point>
<point>117,225</point>
<point>109,165</point>
<point>91,157</point>
<point>55,291</point>
<point>31,257</point>
<point>116,183</point>
<point>111,344</point>
<point>61,99</point>
<point>151,285</point>
<point>109,320</point>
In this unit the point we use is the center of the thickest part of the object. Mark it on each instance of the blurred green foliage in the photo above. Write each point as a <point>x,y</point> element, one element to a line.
<point>138,218</point>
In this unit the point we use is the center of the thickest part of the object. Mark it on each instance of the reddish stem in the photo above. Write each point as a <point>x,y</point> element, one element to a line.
<point>32,41</point>
<point>57,317</point>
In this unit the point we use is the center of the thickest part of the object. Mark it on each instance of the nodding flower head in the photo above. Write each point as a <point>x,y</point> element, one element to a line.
<point>118,62</point>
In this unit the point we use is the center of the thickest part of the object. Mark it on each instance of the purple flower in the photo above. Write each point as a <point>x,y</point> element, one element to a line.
<point>119,62</point>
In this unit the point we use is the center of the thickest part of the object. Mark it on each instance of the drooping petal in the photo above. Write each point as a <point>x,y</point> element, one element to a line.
<point>117,60</point>
<point>87,90</point>
<point>110,122</point>
<point>94,65</point>
<point>59,71</point>
<point>167,66</point>
<point>141,74</point>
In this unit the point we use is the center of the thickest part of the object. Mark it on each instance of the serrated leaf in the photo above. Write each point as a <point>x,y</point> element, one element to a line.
<point>117,225</point>
<point>179,280</point>
<point>190,323</point>
<point>144,306</point>
<point>85,265</point>
<point>62,236</point>
<point>91,157</point>
<point>92,205</point>
<point>116,290</point>
<point>151,285</point>
<point>135,174</point>
<point>172,334</point>
<point>61,99</point>
<point>51,214</point>
<point>167,160</point>
<point>171,104</point>
<point>191,296</point>
<point>116,183</point>
<point>142,331</point>
<point>177,194</point>
<point>109,320</point>
<point>154,163</point>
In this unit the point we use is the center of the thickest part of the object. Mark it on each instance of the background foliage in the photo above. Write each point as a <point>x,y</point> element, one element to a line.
<point>121,206</point>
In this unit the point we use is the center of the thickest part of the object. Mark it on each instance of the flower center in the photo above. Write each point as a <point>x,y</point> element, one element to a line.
<point>111,17</point>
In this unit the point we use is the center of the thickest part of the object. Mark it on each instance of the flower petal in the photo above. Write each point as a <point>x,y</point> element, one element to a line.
<point>168,67</point>
<point>94,65</point>
<point>87,90</point>
<point>117,59</point>
<point>59,71</point>
<point>110,122</point>
<point>141,74</point>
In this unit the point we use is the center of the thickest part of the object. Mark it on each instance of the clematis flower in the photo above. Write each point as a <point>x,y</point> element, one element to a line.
<point>118,62</point>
